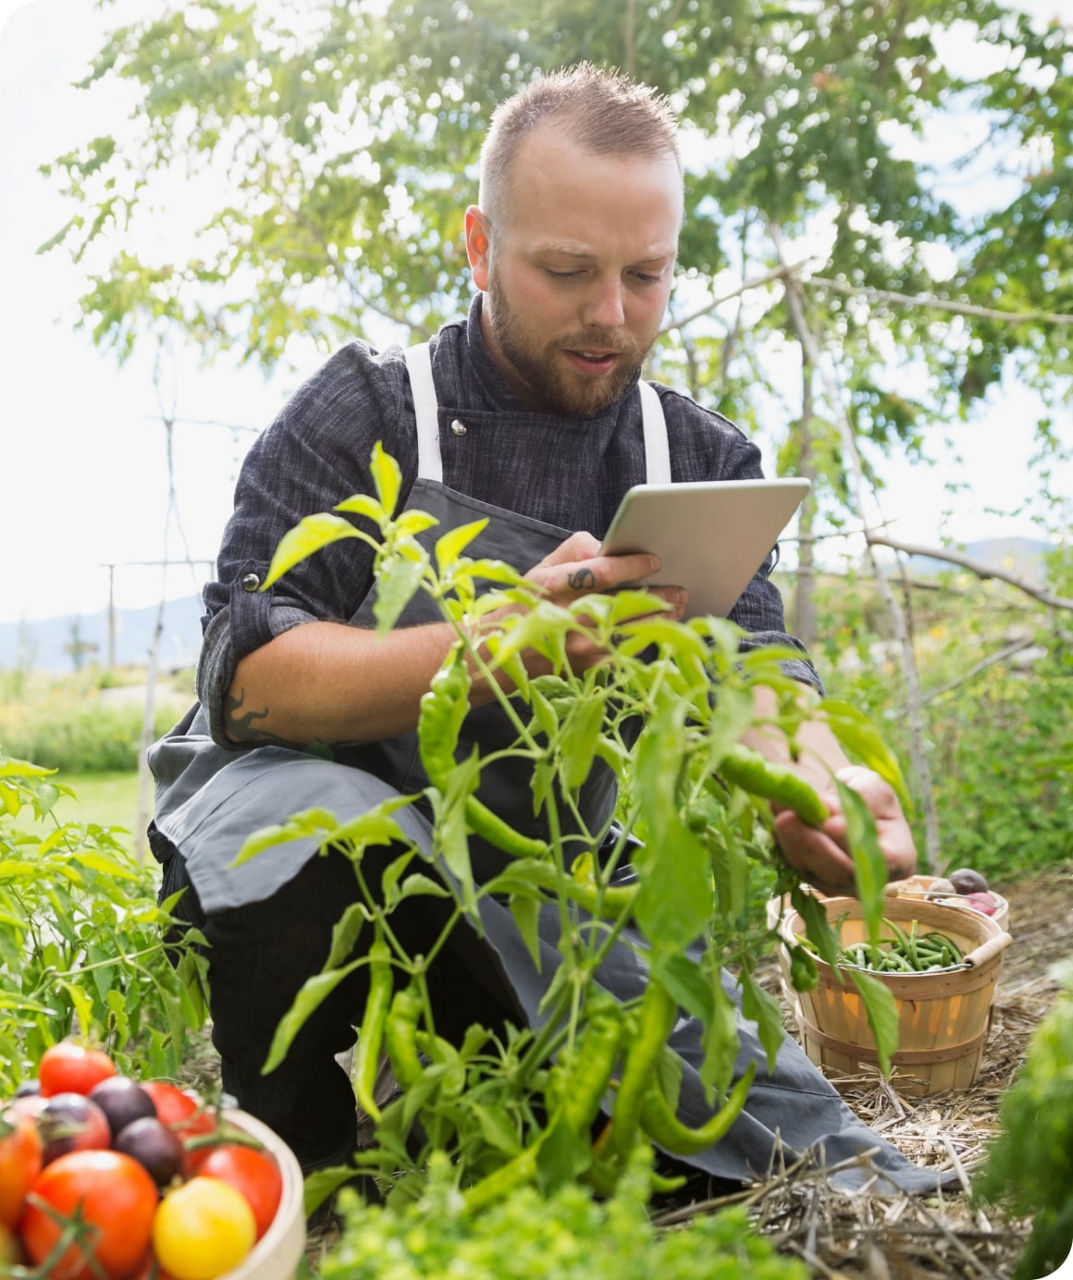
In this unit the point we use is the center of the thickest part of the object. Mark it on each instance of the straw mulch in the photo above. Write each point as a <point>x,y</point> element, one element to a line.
<point>867,1235</point>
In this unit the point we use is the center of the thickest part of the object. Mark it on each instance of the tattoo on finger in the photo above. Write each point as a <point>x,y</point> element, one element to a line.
<point>581,580</point>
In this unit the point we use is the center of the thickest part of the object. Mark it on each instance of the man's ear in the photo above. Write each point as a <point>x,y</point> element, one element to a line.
<point>477,246</point>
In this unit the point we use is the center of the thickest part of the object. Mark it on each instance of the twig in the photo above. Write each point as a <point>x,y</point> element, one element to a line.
<point>977,567</point>
<point>941,304</point>
<point>973,671</point>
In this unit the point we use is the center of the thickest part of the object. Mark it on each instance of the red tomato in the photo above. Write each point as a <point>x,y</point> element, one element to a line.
<point>69,1067</point>
<point>20,1163</point>
<point>254,1173</point>
<point>184,1112</point>
<point>115,1196</point>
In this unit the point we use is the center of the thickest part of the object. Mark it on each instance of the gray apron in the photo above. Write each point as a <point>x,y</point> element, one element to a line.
<point>209,801</point>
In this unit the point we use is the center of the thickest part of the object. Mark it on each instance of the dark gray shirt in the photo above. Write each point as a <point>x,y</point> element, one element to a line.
<point>570,472</point>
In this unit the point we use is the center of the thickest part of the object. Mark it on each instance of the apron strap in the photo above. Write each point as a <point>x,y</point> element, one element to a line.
<point>430,464</point>
<point>419,366</point>
<point>657,452</point>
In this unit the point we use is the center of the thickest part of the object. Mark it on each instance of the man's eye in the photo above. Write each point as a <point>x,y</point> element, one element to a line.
<point>562,275</point>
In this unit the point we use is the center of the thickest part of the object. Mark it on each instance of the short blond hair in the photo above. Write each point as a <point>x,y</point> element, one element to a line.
<point>601,111</point>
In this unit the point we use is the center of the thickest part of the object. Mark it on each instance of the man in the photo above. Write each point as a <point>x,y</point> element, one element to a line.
<point>531,412</point>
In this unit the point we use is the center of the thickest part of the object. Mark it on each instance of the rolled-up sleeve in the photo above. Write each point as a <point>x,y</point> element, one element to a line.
<point>314,455</point>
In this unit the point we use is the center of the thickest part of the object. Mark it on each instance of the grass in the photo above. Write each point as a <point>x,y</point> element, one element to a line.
<point>110,799</point>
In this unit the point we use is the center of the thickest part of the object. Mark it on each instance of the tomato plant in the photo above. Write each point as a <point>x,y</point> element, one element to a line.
<point>202,1228</point>
<point>253,1173</point>
<point>20,1163</point>
<point>108,1192</point>
<point>69,1067</point>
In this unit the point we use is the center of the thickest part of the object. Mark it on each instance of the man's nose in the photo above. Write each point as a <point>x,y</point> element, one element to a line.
<point>603,306</point>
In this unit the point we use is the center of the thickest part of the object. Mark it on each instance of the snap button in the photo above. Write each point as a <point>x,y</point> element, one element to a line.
<point>458,428</point>
<point>250,582</point>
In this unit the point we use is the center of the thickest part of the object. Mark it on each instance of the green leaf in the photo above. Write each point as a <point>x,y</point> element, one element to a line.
<point>526,913</point>
<point>397,582</point>
<point>313,993</point>
<point>863,741</point>
<point>386,476</point>
<point>309,536</point>
<point>451,545</point>
<point>881,1012</point>
<point>870,866</point>
<point>766,1012</point>
<point>580,733</point>
<point>361,504</point>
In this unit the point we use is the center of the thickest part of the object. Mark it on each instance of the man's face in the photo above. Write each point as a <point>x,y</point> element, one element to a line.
<point>578,272</point>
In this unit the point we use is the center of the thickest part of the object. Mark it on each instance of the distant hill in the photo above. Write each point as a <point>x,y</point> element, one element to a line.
<point>41,644</point>
<point>1022,557</point>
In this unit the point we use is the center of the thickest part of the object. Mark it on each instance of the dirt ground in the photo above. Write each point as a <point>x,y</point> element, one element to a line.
<point>884,1238</point>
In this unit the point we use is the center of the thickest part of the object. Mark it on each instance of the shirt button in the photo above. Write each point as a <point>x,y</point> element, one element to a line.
<point>250,582</point>
<point>458,428</point>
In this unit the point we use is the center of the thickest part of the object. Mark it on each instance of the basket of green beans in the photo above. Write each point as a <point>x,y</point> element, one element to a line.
<point>941,965</point>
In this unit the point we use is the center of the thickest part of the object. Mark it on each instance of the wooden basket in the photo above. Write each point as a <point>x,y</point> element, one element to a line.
<point>943,1017</point>
<point>278,1252</point>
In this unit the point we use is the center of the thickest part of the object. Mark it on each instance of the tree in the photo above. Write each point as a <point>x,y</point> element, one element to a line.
<point>335,146</point>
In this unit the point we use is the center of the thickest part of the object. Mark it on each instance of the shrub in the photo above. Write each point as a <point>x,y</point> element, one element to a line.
<point>82,942</point>
<point>566,1236</point>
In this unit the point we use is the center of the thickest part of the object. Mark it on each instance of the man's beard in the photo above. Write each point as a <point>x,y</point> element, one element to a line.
<point>550,388</point>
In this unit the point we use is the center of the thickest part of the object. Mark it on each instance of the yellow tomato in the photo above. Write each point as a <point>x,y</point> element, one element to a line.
<point>202,1228</point>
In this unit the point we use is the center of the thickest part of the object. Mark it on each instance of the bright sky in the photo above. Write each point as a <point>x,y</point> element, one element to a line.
<point>81,441</point>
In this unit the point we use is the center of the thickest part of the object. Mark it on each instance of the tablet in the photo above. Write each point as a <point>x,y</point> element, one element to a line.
<point>711,535</point>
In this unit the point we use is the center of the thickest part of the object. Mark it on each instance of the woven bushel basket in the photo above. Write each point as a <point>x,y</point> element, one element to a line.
<point>943,1016</point>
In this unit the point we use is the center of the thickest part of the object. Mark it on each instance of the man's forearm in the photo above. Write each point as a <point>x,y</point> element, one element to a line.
<point>328,682</point>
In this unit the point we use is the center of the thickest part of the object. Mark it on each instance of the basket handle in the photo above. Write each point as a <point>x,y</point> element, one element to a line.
<point>993,945</point>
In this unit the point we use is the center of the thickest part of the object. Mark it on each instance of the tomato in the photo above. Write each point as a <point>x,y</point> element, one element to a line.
<point>184,1112</point>
<point>254,1173</point>
<point>20,1163</point>
<point>69,1067</point>
<point>70,1122</point>
<point>113,1194</point>
<point>202,1229</point>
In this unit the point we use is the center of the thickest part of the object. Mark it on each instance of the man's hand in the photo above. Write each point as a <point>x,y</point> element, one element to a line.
<point>821,855</point>
<point>576,568</point>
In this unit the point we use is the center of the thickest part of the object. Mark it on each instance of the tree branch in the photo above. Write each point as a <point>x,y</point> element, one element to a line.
<point>939,304</point>
<point>974,566</point>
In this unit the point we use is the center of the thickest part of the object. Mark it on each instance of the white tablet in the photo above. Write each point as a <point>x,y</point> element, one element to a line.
<point>711,535</point>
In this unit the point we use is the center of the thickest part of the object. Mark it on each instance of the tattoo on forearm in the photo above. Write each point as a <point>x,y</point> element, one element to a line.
<point>581,580</point>
<point>241,728</point>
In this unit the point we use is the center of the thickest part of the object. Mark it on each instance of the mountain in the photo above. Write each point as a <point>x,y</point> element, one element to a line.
<point>1021,557</point>
<point>45,644</point>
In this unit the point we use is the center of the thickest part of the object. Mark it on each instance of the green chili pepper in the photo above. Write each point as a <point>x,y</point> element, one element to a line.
<point>749,770</point>
<point>804,974</point>
<point>400,1037</point>
<point>580,1087</point>
<point>659,1121</point>
<point>658,1014</point>
<point>517,1172</point>
<point>443,710</point>
<point>370,1037</point>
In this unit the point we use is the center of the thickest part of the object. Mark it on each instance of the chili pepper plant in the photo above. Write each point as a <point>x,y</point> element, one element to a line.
<point>572,1098</point>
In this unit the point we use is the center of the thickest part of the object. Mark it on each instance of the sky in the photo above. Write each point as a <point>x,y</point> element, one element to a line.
<point>81,439</point>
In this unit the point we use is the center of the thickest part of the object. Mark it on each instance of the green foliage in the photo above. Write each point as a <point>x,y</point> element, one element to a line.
<point>1029,1167</point>
<point>664,714</point>
<point>997,731</point>
<point>329,151</point>
<point>82,941</point>
<point>564,1236</point>
<point>65,723</point>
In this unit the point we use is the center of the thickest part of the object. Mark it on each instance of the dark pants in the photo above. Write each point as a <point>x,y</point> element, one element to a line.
<point>261,954</point>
